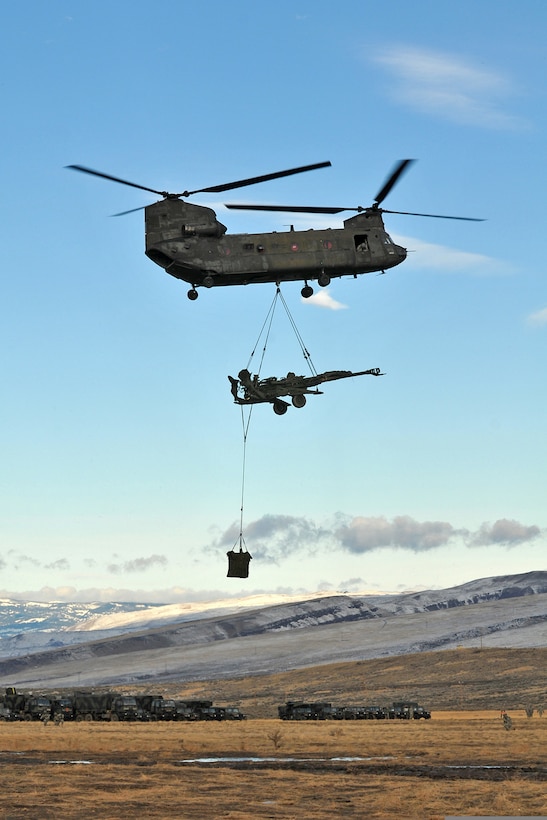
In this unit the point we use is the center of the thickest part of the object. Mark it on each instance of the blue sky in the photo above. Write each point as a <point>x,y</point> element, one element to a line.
<point>121,448</point>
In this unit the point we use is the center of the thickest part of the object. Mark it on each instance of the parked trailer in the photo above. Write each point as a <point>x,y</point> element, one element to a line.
<point>184,712</point>
<point>231,713</point>
<point>92,706</point>
<point>157,707</point>
<point>192,710</point>
<point>299,710</point>
<point>106,706</point>
<point>26,706</point>
<point>62,709</point>
<point>198,709</point>
<point>6,715</point>
<point>15,702</point>
<point>125,707</point>
<point>408,710</point>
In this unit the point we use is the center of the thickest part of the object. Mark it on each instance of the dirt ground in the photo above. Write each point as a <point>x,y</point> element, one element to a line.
<point>456,763</point>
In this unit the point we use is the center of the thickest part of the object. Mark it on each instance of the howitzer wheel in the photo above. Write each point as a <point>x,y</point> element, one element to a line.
<point>280,408</point>
<point>299,401</point>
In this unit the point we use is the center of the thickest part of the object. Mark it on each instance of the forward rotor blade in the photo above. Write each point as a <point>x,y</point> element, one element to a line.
<point>434,216</point>
<point>312,209</point>
<point>399,169</point>
<point>297,209</point>
<point>131,211</point>
<point>241,183</point>
<point>85,170</point>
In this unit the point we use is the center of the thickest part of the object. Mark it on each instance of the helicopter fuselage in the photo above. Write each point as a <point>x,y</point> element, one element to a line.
<point>192,245</point>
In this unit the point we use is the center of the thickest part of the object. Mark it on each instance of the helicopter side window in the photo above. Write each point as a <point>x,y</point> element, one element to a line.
<point>361,243</point>
<point>248,246</point>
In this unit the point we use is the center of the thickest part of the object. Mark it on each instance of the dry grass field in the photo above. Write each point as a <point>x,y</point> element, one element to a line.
<point>462,761</point>
<point>456,763</point>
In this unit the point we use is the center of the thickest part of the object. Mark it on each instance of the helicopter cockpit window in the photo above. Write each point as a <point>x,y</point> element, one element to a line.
<point>388,241</point>
<point>361,243</point>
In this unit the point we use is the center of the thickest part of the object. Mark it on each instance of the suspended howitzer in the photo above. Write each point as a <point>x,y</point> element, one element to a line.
<point>248,389</point>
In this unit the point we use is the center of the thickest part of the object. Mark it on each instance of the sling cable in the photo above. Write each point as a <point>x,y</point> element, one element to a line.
<point>238,559</point>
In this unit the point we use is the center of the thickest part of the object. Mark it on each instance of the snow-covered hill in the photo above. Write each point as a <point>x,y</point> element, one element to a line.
<point>30,626</point>
<point>29,616</point>
<point>508,611</point>
<point>148,617</point>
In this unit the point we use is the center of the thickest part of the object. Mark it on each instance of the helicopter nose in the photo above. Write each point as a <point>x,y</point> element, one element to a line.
<point>401,253</point>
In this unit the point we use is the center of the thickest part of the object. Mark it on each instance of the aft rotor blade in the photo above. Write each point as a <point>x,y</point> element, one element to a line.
<point>85,170</point>
<point>399,169</point>
<point>434,216</point>
<point>241,183</point>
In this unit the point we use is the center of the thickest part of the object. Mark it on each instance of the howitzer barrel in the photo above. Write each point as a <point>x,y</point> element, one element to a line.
<point>332,375</point>
<point>373,371</point>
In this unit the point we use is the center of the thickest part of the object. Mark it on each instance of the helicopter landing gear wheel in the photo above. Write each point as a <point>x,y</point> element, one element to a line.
<point>306,291</point>
<point>323,280</point>
<point>208,282</point>
<point>280,408</point>
<point>299,401</point>
<point>192,295</point>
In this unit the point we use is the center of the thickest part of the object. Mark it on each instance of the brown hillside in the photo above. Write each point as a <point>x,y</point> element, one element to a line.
<point>449,680</point>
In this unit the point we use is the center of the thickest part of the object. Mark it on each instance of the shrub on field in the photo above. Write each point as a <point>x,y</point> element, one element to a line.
<point>276,737</point>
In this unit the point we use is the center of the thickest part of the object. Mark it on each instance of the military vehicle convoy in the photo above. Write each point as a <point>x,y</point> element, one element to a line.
<point>113,706</point>
<point>109,706</point>
<point>399,710</point>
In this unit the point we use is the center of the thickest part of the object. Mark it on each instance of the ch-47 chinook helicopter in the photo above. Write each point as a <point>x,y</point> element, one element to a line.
<point>190,243</point>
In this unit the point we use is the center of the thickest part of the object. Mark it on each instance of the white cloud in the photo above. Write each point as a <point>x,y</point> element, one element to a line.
<point>448,86</point>
<point>70,594</point>
<point>366,534</point>
<point>538,318</point>
<point>139,564</point>
<point>442,258</point>
<point>323,299</point>
<point>505,531</point>
<point>277,536</point>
